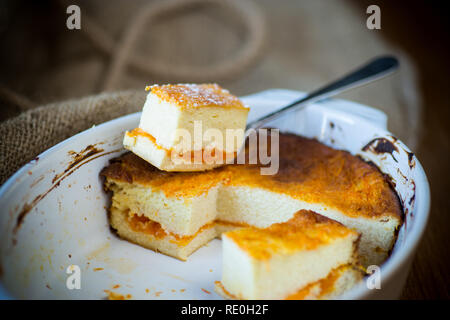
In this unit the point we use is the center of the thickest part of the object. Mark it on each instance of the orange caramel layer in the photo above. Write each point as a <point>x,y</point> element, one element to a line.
<point>306,230</point>
<point>308,170</point>
<point>326,285</point>
<point>204,155</point>
<point>145,225</point>
<point>196,96</point>
<point>315,173</point>
<point>139,132</point>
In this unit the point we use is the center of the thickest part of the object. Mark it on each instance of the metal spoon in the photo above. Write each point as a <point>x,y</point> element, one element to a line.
<point>373,70</point>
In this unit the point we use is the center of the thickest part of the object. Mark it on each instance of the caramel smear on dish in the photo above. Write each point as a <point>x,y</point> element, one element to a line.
<point>111,295</point>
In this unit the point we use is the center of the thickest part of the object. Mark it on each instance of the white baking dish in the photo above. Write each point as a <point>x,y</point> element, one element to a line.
<point>54,212</point>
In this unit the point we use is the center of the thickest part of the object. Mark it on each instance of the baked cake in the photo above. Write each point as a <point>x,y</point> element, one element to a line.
<point>176,213</point>
<point>188,127</point>
<point>279,261</point>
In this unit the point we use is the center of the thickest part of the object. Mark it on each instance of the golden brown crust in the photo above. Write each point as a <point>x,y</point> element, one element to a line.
<point>196,96</point>
<point>308,170</point>
<point>306,230</point>
<point>315,173</point>
<point>140,132</point>
<point>132,169</point>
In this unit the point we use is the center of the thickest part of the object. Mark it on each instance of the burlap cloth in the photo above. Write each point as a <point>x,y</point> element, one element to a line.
<point>289,44</point>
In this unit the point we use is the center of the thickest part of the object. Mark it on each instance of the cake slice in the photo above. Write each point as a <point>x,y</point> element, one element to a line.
<point>188,127</point>
<point>148,233</point>
<point>313,176</point>
<point>172,213</point>
<point>278,261</point>
<point>182,203</point>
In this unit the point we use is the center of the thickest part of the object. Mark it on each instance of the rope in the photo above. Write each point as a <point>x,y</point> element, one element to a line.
<point>121,53</point>
<point>122,56</point>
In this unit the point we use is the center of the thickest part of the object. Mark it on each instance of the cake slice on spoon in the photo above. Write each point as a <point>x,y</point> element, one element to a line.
<point>188,127</point>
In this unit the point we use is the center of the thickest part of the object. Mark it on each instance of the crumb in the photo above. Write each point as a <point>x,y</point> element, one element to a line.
<point>147,291</point>
<point>173,290</point>
<point>210,270</point>
<point>206,291</point>
<point>182,290</point>
<point>117,296</point>
<point>116,286</point>
<point>98,269</point>
<point>157,294</point>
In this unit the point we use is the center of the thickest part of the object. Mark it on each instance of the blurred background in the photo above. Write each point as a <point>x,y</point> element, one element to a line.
<point>247,46</point>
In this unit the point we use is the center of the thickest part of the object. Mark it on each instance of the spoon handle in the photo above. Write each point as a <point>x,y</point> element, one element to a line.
<point>373,70</point>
